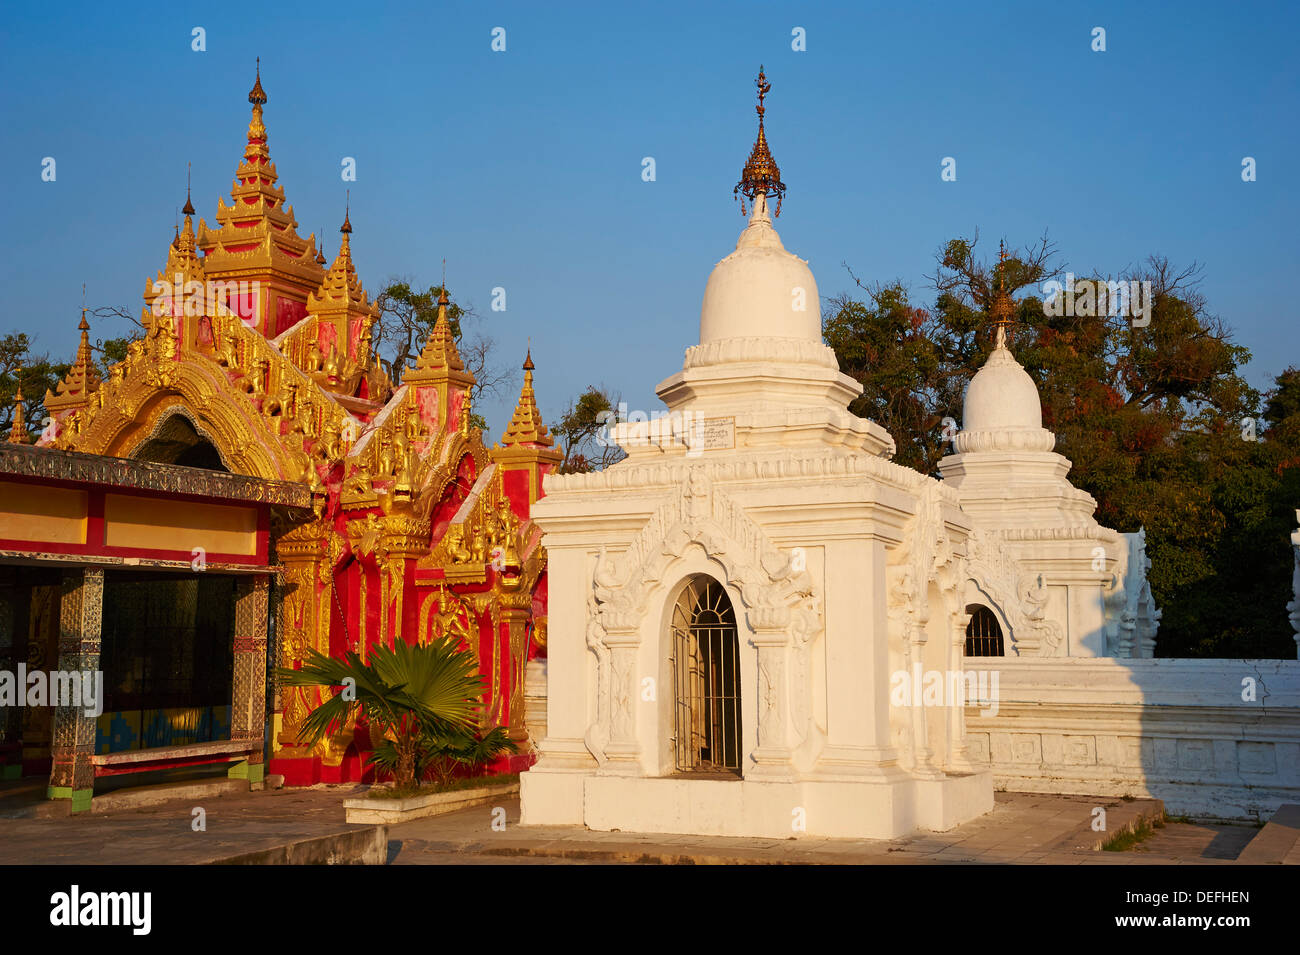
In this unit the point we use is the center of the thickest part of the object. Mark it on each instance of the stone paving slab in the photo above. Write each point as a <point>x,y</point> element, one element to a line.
<point>294,823</point>
<point>1022,828</point>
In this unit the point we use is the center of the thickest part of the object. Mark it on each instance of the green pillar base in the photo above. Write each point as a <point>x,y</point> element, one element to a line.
<point>80,797</point>
<point>253,772</point>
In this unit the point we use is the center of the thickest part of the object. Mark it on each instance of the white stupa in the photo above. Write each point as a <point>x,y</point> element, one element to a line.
<point>730,603</point>
<point>1088,581</point>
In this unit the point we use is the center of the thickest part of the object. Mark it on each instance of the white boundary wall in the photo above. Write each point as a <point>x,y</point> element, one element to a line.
<point>1177,730</point>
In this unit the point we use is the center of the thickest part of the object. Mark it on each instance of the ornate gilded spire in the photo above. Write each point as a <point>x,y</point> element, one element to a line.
<point>82,378</point>
<point>189,206</point>
<point>255,237</point>
<point>761,175</point>
<point>257,96</point>
<point>18,432</point>
<point>526,426</point>
<point>440,350</point>
<point>1001,308</point>
<point>340,289</point>
<point>320,256</point>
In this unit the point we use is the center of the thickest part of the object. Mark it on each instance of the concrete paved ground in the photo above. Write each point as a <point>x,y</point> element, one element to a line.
<point>1022,828</point>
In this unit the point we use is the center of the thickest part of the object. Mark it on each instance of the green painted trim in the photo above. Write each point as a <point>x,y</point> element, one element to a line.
<point>238,770</point>
<point>13,772</point>
<point>80,797</point>
<point>256,773</point>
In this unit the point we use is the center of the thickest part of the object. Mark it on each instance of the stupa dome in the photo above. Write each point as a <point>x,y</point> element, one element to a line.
<point>761,290</point>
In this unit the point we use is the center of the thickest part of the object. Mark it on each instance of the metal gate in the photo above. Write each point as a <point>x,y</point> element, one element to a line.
<point>706,671</point>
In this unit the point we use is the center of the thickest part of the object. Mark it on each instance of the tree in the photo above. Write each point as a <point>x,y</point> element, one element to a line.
<point>584,430</point>
<point>406,321</point>
<point>1150,414</point>
<point>18,363</point>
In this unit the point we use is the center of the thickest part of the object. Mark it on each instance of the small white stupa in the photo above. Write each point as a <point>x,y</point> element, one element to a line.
<point>1082,586</point>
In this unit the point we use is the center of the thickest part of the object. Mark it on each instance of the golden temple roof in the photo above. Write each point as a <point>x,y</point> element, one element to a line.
<point>341,290</point>
<point>526,425</point>
<point>440,350</point>
<point>82,378</point>
<point>257,231</point>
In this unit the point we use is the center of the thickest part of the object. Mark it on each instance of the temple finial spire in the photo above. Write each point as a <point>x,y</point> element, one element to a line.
<point>526,426</point>
<point>189,206</point>
<point>257,95</point>
<point>760,175</point>
<point>1000,308</point>
<point>18,430</point>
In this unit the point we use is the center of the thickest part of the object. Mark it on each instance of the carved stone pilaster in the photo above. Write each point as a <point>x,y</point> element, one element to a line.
<point>924,754</point>
<point>770,636</point>
<point>958,755</point>
<point>623,752</point>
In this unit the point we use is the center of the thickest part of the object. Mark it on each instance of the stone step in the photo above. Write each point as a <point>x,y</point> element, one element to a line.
<point>1278,842</point>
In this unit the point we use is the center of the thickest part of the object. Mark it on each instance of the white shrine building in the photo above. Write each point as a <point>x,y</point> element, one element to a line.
<point>759,625</point>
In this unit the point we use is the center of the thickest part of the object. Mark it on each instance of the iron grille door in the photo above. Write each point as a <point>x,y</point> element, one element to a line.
<point>706,671</point>
<point>983,633</point>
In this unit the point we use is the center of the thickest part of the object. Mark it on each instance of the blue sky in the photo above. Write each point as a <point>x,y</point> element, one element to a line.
<point>523,167</point>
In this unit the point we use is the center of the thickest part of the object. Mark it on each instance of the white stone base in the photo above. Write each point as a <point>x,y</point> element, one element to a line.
<point>883,809</point>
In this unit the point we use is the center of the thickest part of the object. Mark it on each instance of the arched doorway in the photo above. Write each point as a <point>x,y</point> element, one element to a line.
<point>706,677</point>
<point>177,441</point>
<point>983,633</point>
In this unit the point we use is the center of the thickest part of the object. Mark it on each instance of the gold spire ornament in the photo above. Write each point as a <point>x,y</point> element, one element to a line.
<point>526,425</point>
<point>18,432</point>
<point>761,175</point>
<point>1001,308</point>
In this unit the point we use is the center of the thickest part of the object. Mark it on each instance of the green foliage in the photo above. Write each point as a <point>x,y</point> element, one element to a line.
<point>1151,417</point>
<point>421,704</point>
<point>38,374</point>
<point>584,431</point>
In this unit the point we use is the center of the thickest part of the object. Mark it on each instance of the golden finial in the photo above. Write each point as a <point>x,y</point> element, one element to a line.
<point>320,255</point>
<point>1001,307</point>
<point>443,300</point>
<point>257,95</point>
<point>189,206</point>
<point>761,175</point>
<point>346,228</point>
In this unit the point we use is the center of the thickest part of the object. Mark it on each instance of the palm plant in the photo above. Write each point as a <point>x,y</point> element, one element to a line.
<point>421,703</point>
